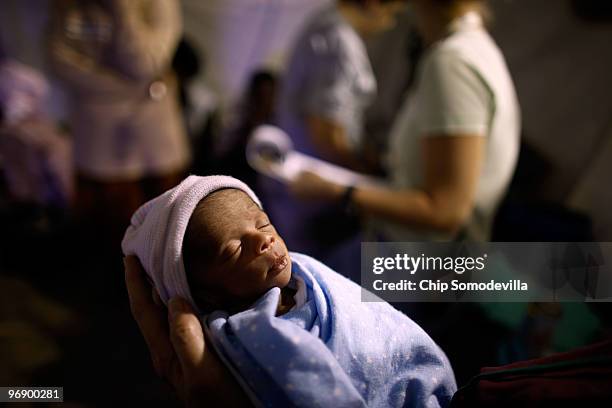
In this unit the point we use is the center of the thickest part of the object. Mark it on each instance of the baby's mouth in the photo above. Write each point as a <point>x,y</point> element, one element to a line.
<point>279,264</point>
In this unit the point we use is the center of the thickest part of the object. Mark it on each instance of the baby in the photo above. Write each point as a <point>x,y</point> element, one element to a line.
<point>292,331</point>
<point>233,255</point>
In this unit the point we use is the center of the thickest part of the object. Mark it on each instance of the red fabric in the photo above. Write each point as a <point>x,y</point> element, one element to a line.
<point>585,384</point>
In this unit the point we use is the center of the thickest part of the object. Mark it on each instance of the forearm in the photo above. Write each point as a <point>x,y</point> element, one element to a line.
<point>331,142</point>
<point>143,47</point>
<point>339,153</point>
<point>84,76</point>
<point>81,72</point>
<point>446,199</point>
<point>444,202</point>
<point>410,208</point>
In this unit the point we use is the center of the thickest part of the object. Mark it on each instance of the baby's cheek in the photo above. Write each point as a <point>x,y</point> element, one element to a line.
<point>251,281</point>
<point>282,241</point>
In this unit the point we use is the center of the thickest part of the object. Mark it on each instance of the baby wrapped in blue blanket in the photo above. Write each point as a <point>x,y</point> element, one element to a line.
<point>292,331</point>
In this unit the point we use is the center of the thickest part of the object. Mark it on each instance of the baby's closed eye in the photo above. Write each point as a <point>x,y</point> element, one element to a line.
<point>231,249</point>
<point>263,222</point>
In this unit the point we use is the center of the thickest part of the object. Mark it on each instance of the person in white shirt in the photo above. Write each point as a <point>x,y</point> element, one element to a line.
<point>454,146</point>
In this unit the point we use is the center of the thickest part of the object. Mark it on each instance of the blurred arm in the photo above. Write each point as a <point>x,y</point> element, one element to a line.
<point>145,36</point>
<point>81,72</point>
<point>452,166</point>
<point>331,142</point>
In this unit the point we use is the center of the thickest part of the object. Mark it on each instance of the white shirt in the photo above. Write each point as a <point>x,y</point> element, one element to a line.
<point>463,87</point>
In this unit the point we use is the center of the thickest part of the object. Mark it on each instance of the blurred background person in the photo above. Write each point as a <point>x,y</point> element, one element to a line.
<point>35,189</point>
<point>324,92</point>
<point>129,142</point>
<point>35,157</point>
<point>198,103</point>
<point>454,145</point>
<point>256,108</point>
<point>329,82</point>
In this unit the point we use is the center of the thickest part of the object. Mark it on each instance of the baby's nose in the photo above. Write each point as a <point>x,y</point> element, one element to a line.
<point>264,242</point>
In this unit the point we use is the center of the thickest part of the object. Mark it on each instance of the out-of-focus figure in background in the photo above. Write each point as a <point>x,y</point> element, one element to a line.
<point>454,146</point>
<point>35,157</point>
<point>129,141</point>
<point>325,90</point>
<point>198,103</point>
<point>328,84</point>
<point>256,108</point>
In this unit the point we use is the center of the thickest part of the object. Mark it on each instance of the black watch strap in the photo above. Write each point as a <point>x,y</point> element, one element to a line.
<point>347,200</point>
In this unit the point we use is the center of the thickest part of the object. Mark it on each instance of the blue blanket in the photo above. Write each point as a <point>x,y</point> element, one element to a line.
<point>334,351</point>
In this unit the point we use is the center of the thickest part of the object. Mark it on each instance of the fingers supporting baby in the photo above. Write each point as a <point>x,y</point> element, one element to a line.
<point>206,380</point>
<point>177,345</point>
<point>186,335</point>
<point>150,317</point>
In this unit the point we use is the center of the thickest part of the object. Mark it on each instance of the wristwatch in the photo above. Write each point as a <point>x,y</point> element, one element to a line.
<point>347,201</point>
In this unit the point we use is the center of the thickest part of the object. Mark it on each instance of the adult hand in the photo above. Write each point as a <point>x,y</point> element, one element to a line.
<point>310,186</point>
<point>178,347</point>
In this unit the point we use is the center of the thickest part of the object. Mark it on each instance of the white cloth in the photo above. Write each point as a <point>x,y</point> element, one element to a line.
<point>157,228</point>
<point>463,87</point>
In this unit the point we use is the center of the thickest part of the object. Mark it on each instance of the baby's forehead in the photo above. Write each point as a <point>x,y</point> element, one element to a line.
<point>224,208</point>
<point>228,199</point>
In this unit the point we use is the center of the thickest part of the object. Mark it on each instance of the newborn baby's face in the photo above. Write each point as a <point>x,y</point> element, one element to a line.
<point>239,253</point>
